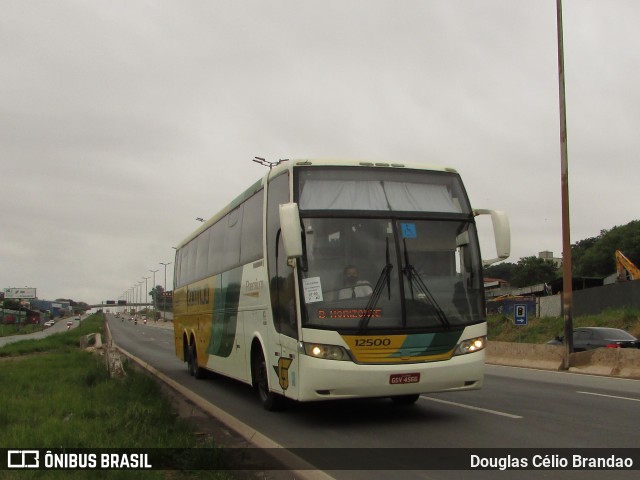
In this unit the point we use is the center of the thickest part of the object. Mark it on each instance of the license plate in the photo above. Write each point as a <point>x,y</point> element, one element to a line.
<point>402,378</point>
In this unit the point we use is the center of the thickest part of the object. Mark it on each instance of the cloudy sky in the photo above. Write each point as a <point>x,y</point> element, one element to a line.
<point>122,121</point>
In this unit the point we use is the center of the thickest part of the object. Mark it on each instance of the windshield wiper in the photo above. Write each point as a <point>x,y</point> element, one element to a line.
<point>385,277</point>
<point>415,280</point>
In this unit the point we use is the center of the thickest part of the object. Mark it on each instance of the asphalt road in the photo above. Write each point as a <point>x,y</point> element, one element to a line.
<point>517,409</point>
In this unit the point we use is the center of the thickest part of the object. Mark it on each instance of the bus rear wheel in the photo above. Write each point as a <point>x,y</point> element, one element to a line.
<point>269,400</point>
<point>192,363</point>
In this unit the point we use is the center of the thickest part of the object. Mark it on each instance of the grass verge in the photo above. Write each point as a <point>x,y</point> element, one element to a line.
<point>541,330</point>
<point>55,395</point>
<point>19,329</point>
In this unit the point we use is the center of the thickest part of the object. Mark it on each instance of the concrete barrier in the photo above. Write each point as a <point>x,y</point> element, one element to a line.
<point>617,362</point>
<point>531,355</point>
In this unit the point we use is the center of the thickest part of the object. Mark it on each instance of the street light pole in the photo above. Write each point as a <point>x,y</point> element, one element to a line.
<point>140,293</point>
<point>164,297</point>
<point>132,295</point>
<point>146,289</point>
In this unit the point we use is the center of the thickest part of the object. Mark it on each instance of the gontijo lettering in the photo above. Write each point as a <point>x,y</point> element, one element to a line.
<point>198,296</point>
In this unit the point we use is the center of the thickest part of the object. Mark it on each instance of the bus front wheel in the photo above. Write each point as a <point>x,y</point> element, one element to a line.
<point>269,400</point>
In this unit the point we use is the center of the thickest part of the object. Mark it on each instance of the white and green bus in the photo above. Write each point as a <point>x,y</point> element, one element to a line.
<point>265,291</point>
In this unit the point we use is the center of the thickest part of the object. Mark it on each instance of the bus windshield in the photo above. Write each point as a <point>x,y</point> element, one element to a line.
<point>371,274</point>
<point>388,249</point>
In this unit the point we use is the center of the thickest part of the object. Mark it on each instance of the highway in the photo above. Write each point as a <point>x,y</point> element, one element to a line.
<point>517,408</point>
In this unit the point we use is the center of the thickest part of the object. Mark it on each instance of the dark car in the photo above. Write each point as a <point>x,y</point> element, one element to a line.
<point>588,338</point>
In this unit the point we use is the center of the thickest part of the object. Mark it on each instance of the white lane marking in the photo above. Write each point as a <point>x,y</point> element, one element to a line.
<point>470,407</point>
<point>611,396</point>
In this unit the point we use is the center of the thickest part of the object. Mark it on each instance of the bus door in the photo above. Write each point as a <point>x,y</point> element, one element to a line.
<point>282,290</point>
<point>286,326</point>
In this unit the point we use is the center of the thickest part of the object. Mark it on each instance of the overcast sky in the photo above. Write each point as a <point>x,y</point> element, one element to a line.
<point>122,121</point>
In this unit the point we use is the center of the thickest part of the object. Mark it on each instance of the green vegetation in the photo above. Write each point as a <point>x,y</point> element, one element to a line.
<point>64,342</point>
<point>160,300</point>
<point>594,257</point>
<point>591,257</point>
<point>56,395</point>
<point>541,330</point>
<point>19,329</point>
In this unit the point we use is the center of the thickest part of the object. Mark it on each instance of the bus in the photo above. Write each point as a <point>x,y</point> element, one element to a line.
<point>336,279</point>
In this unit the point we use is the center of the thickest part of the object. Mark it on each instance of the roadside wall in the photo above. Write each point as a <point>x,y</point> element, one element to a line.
<point>550,306</point>
<point>617,362</point>
<point>592,301</point>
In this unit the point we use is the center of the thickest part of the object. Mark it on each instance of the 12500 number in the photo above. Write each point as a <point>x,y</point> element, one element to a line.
<point>373,342</point>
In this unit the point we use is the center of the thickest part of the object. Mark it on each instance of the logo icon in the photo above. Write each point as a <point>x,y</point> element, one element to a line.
<point>23,459</point>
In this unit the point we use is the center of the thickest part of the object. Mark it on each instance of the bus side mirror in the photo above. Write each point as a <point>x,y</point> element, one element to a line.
<point>501,232</point>
<point>290,230</point>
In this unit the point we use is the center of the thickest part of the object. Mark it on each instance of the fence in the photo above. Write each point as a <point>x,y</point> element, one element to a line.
<point>591,301</point>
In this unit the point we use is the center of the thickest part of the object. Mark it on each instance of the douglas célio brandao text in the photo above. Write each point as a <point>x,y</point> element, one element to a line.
<point>550,461</point>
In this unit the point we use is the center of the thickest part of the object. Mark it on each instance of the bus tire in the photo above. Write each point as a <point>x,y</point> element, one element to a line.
<point>187,355</point>
<point>406,399</point>
<point>194,370</point>
<point>270,401</point>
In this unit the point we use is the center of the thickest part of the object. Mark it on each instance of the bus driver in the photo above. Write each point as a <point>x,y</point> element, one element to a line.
<point>352,287</point>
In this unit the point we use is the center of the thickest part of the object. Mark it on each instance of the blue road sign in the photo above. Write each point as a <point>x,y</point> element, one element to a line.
<point>519,314</point>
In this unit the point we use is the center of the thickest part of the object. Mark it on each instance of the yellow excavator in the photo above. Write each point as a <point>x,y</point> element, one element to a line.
<point>626,268</point>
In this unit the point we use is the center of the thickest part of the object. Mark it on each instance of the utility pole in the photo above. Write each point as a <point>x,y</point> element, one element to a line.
<point>567,275</point>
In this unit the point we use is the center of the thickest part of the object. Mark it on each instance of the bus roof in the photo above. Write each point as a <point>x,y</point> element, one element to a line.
<point>290,165</point>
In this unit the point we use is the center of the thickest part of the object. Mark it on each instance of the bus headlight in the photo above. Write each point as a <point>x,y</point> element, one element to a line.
<point>328,352</point>
<point>472,345</point>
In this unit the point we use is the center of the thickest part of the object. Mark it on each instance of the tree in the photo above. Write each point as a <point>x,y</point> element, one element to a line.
<point>595,257</point>
<point>12,304</point>
<point>156,294</point>
<point>579,250</point>
<point>503,271</point>
<point>534,270</point>
<point>592,257</point>
<point>161,302</point>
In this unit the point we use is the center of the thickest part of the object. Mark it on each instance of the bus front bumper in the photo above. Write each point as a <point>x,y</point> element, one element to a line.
<point>322,379</point>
